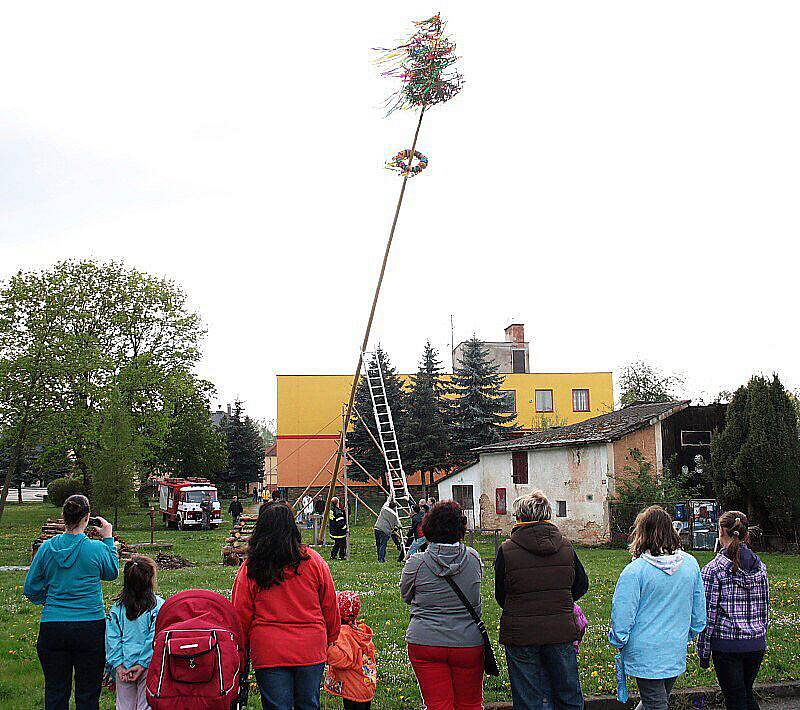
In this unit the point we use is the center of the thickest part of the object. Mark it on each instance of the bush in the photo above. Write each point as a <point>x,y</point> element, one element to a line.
<point>60,489</point>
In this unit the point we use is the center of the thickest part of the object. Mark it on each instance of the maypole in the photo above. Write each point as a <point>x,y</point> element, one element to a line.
<point>425,66</point>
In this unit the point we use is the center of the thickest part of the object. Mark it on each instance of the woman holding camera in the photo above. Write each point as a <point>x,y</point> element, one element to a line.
<point>65,576</point>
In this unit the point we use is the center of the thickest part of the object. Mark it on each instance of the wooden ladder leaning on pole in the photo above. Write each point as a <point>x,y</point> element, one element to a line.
<point>365,342</point>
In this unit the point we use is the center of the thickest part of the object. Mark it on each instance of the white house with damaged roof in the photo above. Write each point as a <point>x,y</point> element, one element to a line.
<point>576,466</point>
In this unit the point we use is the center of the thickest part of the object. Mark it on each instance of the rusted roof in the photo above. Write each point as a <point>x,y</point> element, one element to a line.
<point>597,430</point>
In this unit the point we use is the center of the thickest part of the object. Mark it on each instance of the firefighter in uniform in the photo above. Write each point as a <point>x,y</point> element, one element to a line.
<point>337,527</point>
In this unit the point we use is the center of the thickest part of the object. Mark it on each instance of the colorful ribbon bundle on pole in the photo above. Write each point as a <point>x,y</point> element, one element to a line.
<point>425,66</point>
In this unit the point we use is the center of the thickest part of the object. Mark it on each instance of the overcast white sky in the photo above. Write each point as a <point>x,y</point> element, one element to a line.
<point>622,177</point>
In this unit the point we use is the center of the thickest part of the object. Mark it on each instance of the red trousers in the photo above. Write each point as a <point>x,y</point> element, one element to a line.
<point>449,678</point>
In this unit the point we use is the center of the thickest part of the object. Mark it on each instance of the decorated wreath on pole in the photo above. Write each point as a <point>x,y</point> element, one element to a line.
<point>404,163</point>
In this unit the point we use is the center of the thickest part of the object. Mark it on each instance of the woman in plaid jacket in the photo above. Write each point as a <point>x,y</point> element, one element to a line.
<point>737,607</point>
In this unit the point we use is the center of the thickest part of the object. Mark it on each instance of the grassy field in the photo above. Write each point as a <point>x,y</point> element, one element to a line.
<point>21,679</point>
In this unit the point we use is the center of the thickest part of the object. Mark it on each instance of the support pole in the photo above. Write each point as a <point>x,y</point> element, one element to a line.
<point>365,342</point>
<point>346,500</point>
<point>359,498</point>
<point>371,477</point>
<point>313,481</point>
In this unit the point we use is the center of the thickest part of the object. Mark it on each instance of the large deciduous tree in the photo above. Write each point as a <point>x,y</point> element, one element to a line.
<point>29,367</point>
<point>756,457</point>
<point>193,445</point>
<point>640,381</point>
<point>480,413</point>
<point>72,334</point>
<point>427,442</point>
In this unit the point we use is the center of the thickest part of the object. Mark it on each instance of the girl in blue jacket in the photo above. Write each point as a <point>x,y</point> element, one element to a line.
<point>129,632</point>
<point>659,606</point>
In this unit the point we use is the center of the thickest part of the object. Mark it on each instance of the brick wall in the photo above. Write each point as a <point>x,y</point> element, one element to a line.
<point>644,440</point>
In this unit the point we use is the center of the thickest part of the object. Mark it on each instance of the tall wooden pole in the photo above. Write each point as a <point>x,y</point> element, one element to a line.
<point>365,342</point>
<point>346,485</point>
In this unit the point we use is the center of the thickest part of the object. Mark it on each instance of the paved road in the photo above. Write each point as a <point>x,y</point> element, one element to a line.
<point>29,495</point>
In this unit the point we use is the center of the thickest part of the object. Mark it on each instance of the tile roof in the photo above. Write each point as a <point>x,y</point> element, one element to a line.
<point>604,428</point>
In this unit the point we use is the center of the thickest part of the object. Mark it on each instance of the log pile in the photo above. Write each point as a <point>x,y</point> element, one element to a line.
<point>55,527</point>
<point>166,560</point>
<point>235,548</point>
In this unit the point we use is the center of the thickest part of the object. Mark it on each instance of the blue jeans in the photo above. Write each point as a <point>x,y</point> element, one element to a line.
<point>290,687</point>
<point>532,669</point>
<point>381,541</point>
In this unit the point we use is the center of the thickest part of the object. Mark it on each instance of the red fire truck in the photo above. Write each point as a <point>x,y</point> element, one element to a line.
<point>181,502</point>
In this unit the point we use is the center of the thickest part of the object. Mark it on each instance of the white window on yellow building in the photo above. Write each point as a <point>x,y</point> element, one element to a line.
<point>544,400</point>
<point>580,400</point>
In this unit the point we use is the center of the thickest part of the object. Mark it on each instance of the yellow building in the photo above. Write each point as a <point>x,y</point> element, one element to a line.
<point>310,412</point>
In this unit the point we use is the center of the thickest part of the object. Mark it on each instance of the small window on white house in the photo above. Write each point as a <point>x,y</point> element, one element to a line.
<point>519,467</point>
<point>695,438</point>
<point>561,509</point>
<point>544,400</point>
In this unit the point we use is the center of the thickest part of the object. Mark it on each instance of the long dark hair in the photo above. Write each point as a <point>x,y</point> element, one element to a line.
<point>138,593</point>
<point>274,546</point>
<point>734,523</point>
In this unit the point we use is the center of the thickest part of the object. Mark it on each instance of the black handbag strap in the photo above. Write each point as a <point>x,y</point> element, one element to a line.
<point>471,609</point>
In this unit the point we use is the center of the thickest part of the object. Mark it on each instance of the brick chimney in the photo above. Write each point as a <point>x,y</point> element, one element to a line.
<point>515,333</point>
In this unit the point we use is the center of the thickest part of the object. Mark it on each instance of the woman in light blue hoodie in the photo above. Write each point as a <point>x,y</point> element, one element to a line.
<point>129,632</point>
<point>65,577</point>
<point>659,606</point>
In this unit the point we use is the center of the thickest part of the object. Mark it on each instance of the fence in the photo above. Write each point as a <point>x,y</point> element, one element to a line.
<point>695,521</point>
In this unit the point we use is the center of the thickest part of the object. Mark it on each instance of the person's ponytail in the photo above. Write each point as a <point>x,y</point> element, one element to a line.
<point>734,523</point>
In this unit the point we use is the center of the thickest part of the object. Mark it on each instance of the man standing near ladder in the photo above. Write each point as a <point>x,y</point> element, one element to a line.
<point>338,530</point>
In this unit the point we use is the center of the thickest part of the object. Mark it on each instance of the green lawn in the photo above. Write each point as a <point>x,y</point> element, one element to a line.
<point>20,675</point>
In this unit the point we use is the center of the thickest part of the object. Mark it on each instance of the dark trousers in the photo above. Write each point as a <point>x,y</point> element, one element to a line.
<point>290,687</point>
<point>654,693</point>
<point>534,669</point>
<point>355,705</point>
<point>339,548</point>
<point>65,647</point>
<point>398,543</point>
<point>381,541</point>
<point>736,673</point>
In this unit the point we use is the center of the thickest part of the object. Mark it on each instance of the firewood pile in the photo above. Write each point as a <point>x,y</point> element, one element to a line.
<point>55,527</point>
<point>235,548</point>
<point>166,560</point>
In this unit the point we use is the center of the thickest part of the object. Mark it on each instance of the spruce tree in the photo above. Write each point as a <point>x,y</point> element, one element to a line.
<point>359,442</point>
<point>245,449</point>
<point>478,416</point>
<point>756,457</point>
<point>427,441</point>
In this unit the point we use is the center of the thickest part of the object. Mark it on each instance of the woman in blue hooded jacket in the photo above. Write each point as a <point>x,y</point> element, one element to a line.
<point>659,606</point>
<point>65,576</point>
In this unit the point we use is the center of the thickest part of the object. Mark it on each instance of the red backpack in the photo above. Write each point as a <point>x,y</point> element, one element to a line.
<point>199,656</point>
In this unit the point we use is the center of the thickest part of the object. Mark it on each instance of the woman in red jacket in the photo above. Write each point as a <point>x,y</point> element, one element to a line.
<point>287,605</point>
